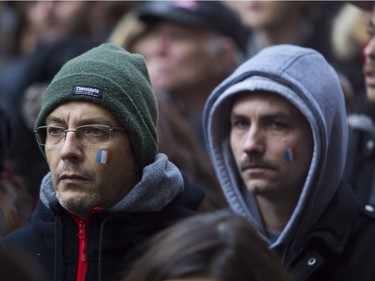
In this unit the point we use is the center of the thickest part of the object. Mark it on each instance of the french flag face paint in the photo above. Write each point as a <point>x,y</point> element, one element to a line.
<point>103,157</point>
<point>290,154</point>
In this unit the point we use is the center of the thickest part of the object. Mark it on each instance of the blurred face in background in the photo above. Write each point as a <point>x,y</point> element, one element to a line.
<point>181,57</point>
<point>266,14</point>
<point>52,20</point>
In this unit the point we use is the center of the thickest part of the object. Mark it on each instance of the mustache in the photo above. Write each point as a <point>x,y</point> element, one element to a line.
<point>254,161</point>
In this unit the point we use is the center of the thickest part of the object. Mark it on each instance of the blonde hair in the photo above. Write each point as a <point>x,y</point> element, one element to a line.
<point>349,33</point>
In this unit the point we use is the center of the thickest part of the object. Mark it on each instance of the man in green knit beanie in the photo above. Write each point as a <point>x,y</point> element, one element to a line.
<point>108,189</point>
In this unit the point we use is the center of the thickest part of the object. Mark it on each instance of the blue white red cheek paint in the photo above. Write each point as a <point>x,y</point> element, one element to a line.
<point>290,154</point>
<point>103,157</point>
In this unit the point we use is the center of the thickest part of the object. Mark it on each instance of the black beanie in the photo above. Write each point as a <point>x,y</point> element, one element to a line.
<point>117,80</point>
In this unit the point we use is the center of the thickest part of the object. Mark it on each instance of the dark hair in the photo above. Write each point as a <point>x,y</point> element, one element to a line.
<point>219,245</point>
<point>16,203</point>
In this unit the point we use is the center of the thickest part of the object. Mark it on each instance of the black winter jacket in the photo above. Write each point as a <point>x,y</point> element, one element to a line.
<point>360,163</point>
<point>339,245</point>
<point>112,236</point>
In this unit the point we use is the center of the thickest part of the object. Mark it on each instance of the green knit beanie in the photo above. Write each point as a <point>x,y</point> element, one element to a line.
<point>117,80</point>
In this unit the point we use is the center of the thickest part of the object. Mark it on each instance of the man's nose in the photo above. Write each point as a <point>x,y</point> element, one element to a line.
<point>71,148</point>
<point>254,140</point>
<point>161,46</point>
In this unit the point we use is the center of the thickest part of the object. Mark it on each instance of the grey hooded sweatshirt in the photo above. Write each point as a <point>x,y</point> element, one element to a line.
<point>304,78</point>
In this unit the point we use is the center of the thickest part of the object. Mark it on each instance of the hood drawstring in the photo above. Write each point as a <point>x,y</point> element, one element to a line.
<point>58,247</point>
<point>100,248</point>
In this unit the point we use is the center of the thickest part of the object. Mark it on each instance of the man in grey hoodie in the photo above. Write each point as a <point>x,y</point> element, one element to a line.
<point>277,132</point>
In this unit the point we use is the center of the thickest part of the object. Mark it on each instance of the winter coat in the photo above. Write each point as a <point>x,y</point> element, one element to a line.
<point>107,240</point>
<point>340,246</point>
<point>360,163</point>
<point>326,221</point>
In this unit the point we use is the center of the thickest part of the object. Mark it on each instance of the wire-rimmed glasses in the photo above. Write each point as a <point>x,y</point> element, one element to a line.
<point>85,134</point>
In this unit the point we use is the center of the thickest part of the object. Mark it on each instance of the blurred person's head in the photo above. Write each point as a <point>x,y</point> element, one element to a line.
<point>349,36</point>
<point>52,20</point>
<point>175,137</point>
<point>276,22</point>
<point>191,45</point>
<point>269,14</point>
<point>211,247</point>
<point>132,34</point>
<point>349,32</point>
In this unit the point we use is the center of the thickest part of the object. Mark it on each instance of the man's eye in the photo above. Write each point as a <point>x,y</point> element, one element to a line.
<point>240,124</point>
<point>279,125</point>
<point>55,131</point>
<point>95,132</point>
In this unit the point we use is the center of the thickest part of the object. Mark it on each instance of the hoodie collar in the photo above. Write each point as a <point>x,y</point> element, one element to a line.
<point>161,182</point>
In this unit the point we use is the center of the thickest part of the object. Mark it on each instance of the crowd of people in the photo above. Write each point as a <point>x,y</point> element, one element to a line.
<point>187,140</point>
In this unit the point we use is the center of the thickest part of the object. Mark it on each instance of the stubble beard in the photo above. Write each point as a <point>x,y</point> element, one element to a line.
<point>80,204</point>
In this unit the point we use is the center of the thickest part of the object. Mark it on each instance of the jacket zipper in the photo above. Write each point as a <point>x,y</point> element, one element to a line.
<point>82,251</point>
<point>82,243</point>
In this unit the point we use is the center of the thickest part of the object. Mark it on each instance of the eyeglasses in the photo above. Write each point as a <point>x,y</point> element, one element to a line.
<point>86,134</point>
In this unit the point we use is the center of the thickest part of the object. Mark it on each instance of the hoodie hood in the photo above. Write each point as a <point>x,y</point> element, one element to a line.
<point>161,182</point>
<point>304,78</point>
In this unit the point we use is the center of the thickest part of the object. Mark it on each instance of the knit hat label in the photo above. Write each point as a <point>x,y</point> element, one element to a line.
<point>88,91</point>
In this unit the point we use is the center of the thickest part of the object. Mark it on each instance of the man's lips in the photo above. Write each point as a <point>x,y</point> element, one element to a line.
<point>256,167</point>
<point>72,178</point>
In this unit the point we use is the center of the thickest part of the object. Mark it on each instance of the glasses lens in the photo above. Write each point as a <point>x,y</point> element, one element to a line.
<point>54,135</point>
<point>93,134</point>
<point>40,135</point>
<point>49,135</point>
